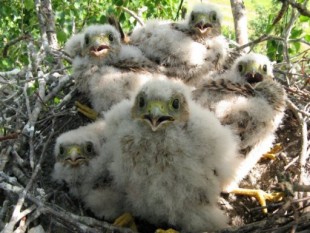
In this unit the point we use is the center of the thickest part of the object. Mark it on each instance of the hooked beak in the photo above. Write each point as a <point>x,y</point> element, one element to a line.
<point>157,116</point>
<point>203,27</point>
<point>75,158</point>
<point>253,74</point>
<point>100,46</point>
<point>253,77</point>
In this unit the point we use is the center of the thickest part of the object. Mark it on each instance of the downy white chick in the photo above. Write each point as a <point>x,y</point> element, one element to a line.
<point>171,157</point>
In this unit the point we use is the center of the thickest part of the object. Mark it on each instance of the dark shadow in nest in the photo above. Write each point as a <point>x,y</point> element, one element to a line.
<point>51,124</point>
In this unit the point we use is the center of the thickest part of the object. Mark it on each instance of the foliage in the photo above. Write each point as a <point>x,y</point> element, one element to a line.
<point>19,17</point>
<point>274,47</point>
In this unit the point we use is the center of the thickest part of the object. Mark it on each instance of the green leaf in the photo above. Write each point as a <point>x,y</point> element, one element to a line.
<point>29,4</point>
<point>76,5</point>
<point>61,36</point>
<point>297,46</point>
<point>296,33</point>
<point>303,18</point>
<point>307,38</point>
<point>57,100</point>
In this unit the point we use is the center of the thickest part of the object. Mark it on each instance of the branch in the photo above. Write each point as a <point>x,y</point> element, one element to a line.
<point>269,224</point>
<point>47,22</point>
<point>12,42</point>
<point>301,8</point>
<point>280,14</point>
<point>287,33</point>
<point>179,9</point>
<point>295,109</point>
<point>133,14</point>
<point>240,21</point>
<point>9,136</point>
<point>4,157</point>
<point>82,224</point>
<point>17,213</point>
<point>256,41</point>
<point>304,143</point>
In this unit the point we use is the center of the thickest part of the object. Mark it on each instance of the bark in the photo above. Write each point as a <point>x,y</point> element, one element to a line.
<point>240,21</point>
<point>47,22</point>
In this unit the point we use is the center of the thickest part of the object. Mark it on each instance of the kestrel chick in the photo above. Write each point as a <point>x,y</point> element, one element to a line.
<point>184,49</point>
<point>76,152</point>
<point>105,69</point>
<point>247,99</point>
<point>86,173</point>
<point>171,157</point>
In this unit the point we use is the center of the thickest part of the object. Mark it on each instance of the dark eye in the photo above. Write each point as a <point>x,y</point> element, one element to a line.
<point>87,39</point>
<point>213,16</point>
<point>141,102</point>
<point>89,147</point>
<point>192,17</point>
<point>176,104</point>
<point>61,150</point>
<point>111,38</point>
<point>265,68</point>
<point>240,68</point>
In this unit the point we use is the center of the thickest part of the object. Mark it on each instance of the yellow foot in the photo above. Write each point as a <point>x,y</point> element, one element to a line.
<point>86,111</point>
<point>272,153</point>
<point>126,220</point>
<point>260,196</point>
<point>166,231</point>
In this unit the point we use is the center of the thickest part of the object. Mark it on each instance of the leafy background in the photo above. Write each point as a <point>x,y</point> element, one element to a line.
<point>18,18</point>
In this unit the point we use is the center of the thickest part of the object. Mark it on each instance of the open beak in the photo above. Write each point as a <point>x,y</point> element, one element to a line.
<point>203,28</point>
<point>157,116</point>
<point>100,46</point>
<point>253,75</point>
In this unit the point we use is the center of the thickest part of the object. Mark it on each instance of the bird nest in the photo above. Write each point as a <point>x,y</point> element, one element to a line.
<point>37,105</point>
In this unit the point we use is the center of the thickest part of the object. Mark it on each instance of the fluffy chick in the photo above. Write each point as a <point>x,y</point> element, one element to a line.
<point>171,157</point>
<point>78,165</point>
<point>248,100</point>
<point>185,49</point>
<point>105,69</point>
<point>203,24</point>
<point>76,152</point>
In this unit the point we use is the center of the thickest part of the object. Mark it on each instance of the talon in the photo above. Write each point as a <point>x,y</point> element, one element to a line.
<point>126,220</point>
<point>260,196</point>
<point>86,111</point>
<point>170,230</point>
<point>269,156</point>
<point>272,153</point>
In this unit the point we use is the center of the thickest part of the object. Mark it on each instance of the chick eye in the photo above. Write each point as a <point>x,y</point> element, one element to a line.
<point>86,39</point>
<point>61,150</point>
<point>176,104</point>
<point>141,102</point>
<point>213,16</point>
<point>192,17</point>
<point>89,147</point>
<point>265,68</point>
<point>111,38</point>
<point>240,68</point>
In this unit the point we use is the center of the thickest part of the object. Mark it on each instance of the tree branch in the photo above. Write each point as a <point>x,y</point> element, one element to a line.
<point>133,14</point>
<point>82,224</point>
<point>302,9</point>
<point>13,42</point>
